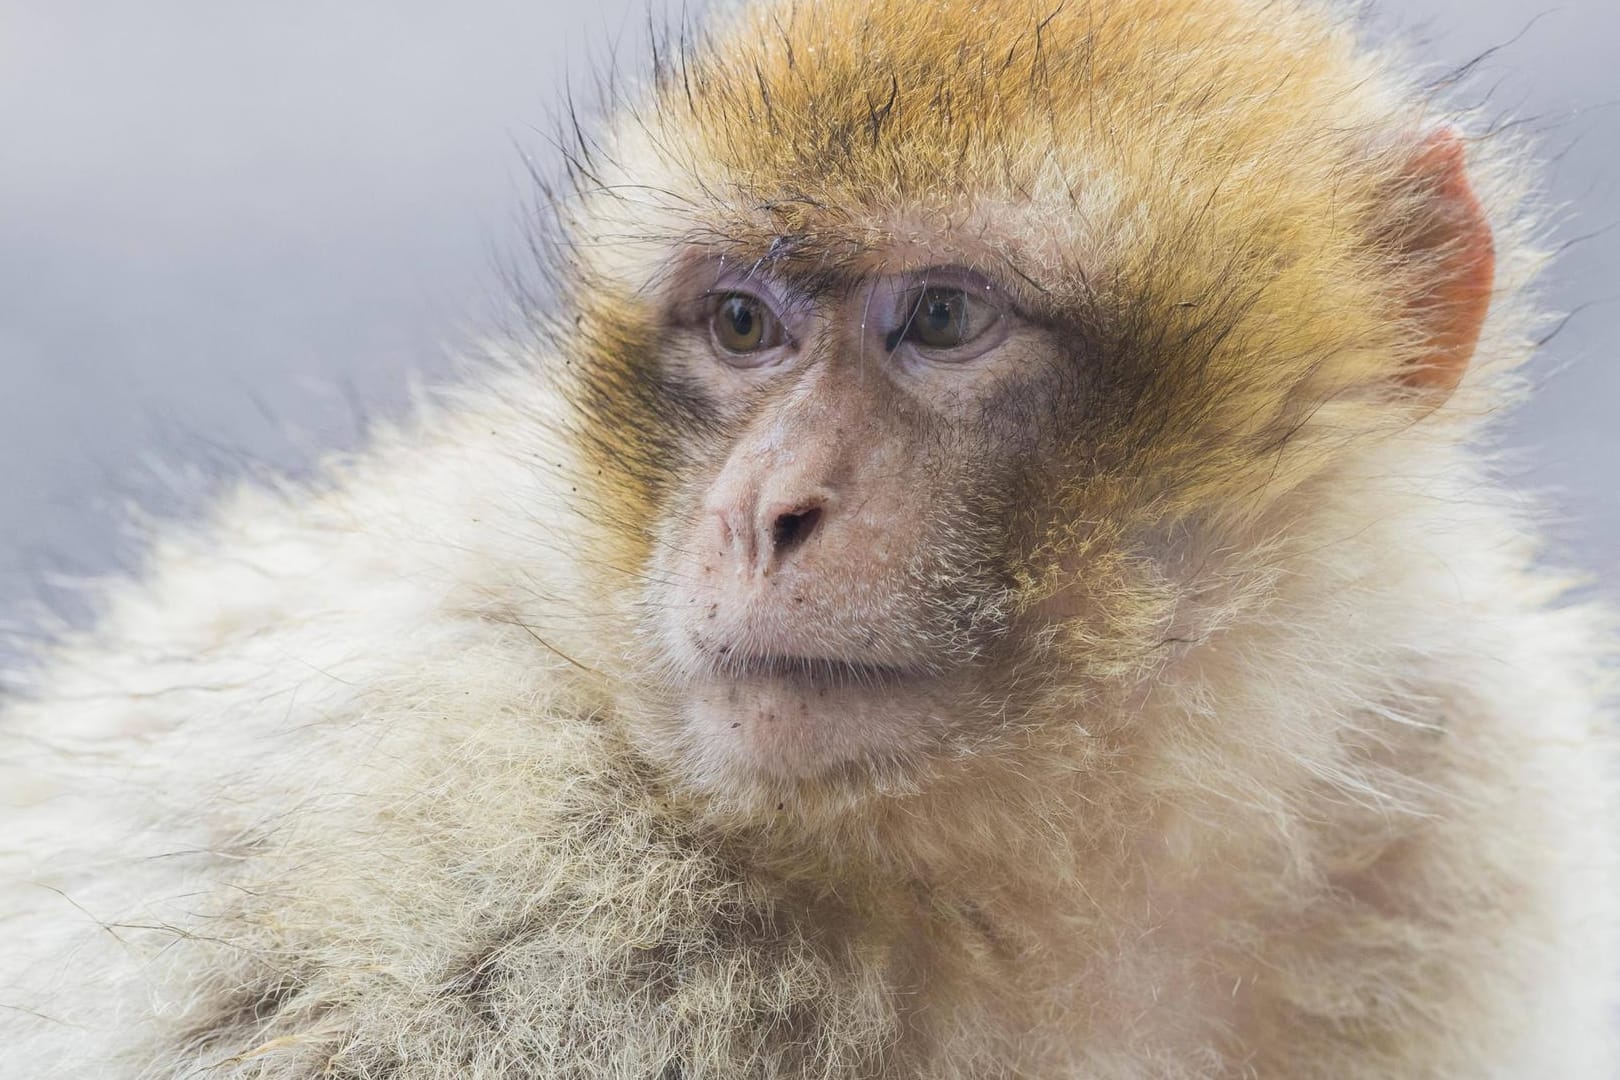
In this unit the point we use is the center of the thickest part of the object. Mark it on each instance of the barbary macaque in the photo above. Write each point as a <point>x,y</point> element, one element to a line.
<point>986,570</point>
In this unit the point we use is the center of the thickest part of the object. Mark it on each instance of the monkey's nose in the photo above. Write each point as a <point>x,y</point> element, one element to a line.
<point>758,542</point>
<point>791,526</point>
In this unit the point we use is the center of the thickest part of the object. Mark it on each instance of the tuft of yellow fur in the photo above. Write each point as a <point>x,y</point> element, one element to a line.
<point>364,780</point>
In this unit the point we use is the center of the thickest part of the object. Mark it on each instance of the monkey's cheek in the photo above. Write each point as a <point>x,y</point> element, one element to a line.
<point>791,729</point>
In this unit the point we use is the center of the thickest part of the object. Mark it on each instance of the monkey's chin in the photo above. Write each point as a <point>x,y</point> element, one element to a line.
<point>798,723</point>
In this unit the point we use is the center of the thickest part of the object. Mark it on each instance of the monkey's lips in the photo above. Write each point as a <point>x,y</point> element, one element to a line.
<point>813,671</point>
<point>794,717</point>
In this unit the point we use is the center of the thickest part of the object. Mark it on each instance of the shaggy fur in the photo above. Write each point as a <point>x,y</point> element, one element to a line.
<point>370,779</point>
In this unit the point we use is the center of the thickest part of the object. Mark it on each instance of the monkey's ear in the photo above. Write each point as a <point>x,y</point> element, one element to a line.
<point>1450,242</point>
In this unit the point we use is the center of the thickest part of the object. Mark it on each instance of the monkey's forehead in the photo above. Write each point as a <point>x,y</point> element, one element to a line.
<point>1076,136</point>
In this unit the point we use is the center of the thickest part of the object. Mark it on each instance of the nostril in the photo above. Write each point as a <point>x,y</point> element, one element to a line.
<point>790,531</point>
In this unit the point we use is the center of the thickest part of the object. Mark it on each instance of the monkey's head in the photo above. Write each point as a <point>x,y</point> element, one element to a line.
<point>940,368</point>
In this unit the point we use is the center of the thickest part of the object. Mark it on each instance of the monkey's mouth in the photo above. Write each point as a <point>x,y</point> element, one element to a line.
<point>791,716</point>
<point>815,672</point>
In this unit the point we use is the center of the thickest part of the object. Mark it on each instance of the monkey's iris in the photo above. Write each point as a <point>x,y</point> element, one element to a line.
<point>743,324</point>
<point>943,317</point>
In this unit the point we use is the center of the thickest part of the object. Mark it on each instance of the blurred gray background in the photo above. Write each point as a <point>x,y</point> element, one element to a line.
<point>228,231</point>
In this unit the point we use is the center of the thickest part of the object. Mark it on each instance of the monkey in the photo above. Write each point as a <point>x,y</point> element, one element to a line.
<point>989,567</point>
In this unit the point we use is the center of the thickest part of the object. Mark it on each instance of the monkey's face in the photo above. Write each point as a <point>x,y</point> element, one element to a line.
<point>837,582</point>
<point>931,384</point>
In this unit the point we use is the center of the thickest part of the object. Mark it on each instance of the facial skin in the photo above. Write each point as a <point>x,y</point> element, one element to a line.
<point>843,578</point>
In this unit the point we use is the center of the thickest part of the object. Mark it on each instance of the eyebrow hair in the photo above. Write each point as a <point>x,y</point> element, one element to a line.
<point>817,264</point>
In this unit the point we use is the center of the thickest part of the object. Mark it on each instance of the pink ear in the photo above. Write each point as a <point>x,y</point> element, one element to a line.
<point>1456,241</point>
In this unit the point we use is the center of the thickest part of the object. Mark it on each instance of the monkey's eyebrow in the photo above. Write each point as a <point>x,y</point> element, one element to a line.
<point>1022,291</point>
<point>1020,273</point>
<point>783,246</point>
<point>808,269</point>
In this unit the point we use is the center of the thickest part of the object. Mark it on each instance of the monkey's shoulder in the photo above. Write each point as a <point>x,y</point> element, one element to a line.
<point>520,904</point>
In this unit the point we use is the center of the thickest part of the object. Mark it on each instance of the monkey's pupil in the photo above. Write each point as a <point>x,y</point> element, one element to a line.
<point>742,320</point>
<point>941,319</point>
<point>741,326</point>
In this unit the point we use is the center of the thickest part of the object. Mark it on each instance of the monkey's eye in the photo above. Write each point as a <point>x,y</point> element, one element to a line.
<point>942,317</point>
<point>742,324</point>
